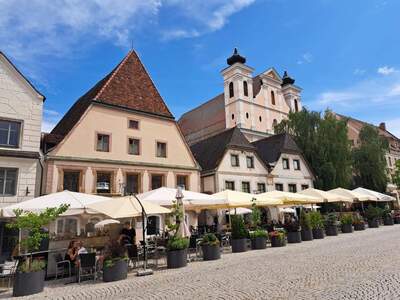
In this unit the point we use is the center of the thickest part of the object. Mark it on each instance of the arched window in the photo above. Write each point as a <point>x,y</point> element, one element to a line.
<point>274,123</point>
<point>245,89</point>
<point>260,118</point>
<point>247,115</point>
<point>296,105</point>
<point>231,94</point>
<point>233,116</point>
<point>272,97</point>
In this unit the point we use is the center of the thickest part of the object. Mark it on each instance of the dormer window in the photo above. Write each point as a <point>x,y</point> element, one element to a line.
<point>231,94</point>
<point>245,88</point>
<point>273,98</point>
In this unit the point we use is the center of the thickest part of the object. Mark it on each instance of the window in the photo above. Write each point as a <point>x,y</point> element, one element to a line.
<point>279,186</point>
<point>132,183</point>
<point>157,181</point>
<point>245,88</point>
<point>261,187</point>
<point>134,146</point>
<point>246,187</point>
<point>133,124</point>
<point>103,143</point>
<point>71,180</point>
<point>231,94</point>
<point>9,133</point>
<point>153,225</point>
<point>296,105</point>
<point>182,181</point>
<point>260,118</point>
<point>230,185</point>
<point>247,115</point>
<point>304,187</point>
<point>68,226</point>
<point>103,182</point>
<point>296,164</point>
<point>233,116</point>
<point>234,160</point>
<point>161,149</point>
<point>285,163</point>
<point>8,181</point>
<point>292,188</point>
<point>272,97</point>
<point>250,162</point>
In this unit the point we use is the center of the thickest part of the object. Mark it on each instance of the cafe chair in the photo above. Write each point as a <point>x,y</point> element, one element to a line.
<point>87,266</point>
<point>8,270</point>
<point>61,265</point>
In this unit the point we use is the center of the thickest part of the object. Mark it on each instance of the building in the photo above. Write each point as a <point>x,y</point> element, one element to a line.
<point>288,169</point>
<point>254,104</point>
<point>21,106</point>
<point>393,154</point>
<point>119,137</point>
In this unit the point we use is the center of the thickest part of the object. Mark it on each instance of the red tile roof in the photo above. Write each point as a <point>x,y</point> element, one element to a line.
<point>127,86</point>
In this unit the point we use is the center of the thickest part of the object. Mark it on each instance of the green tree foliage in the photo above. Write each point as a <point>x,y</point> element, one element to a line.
<point>369,160</point>
<point>324,143</point>
<point>396,176</point>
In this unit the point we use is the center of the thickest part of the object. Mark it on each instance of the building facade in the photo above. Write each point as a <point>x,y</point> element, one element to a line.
<point>254,104</point>
<point>21,107</point>
<point>118,138</point>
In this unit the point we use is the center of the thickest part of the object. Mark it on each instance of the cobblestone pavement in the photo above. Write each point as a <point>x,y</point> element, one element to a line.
<point>362,265</point>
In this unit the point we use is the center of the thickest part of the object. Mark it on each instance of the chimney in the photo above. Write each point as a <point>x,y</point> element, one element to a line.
<point>382,126</point>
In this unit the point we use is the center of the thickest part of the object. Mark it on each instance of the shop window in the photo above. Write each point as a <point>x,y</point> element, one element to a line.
<point>246,187</point>
<point>230,185</point>
<point>157,181</point>
<point>103,183</point>
<point>71,180</point>
<point>279,187</point>
<point>182,181</point>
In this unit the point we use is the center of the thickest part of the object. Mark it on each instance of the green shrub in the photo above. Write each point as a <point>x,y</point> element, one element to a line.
<point>331,219</point>
<point>346,219</point>
<point>372,213</point>
<point>239,231</point>
<point>114,253</point>
<point>357,219</point>
<point>258,233</point>
<point>210,239</point>
<point>31,266</point>
<point>177,243</point>
<point>305,221</point>
<point>316,220</point>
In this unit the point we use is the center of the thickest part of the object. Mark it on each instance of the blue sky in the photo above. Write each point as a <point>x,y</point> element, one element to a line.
<point>344,54</point>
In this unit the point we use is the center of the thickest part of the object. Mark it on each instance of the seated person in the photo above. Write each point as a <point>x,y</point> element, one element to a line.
<point>72,253</point>
<point>81,248</point>
<point>127,234</point>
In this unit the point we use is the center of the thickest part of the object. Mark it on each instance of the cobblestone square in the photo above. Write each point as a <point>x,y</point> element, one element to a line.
<point>362,265</point>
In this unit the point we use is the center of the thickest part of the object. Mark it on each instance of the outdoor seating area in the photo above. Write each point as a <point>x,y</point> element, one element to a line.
<point>118,243</point>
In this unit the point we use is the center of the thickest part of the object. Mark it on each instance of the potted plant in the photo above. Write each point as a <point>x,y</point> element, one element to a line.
<point>396,217</point>
<point>29,277</point>
<point>331,222</point>
<point>210,247</point>
<point>358,223</point>
<point>317,225</point>
<point>306,229</point>
<point>387,217</point>
<point>239,234</point>
<point>278,238</point>
<point>259,236</point>
<point>346,221</point>
<point>115,266</point>
<point>293,232</point>
<point>373,215</point>
<point>177,245</point>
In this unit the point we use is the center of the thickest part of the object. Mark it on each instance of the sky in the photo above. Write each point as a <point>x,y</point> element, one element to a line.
<point>344,54</point>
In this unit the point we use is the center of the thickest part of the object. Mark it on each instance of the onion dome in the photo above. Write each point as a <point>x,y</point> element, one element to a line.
<point>236,57</point>
<point>286,79</point>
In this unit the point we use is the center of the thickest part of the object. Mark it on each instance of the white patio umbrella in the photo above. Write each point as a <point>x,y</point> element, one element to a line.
<point>105,222</point>
<point>291,198</point>
<point>379,196</point>
<point>353,195</point>
<point>239,211</point>
<point>78,203</point>
<point>325,196</point>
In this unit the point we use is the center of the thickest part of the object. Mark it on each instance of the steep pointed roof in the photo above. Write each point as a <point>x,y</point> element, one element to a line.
<point>128,86</point>
<point>271,148</point>
<point>209,152</point>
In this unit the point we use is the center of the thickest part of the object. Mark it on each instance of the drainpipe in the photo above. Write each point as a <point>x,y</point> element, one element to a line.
<point>41,175</point>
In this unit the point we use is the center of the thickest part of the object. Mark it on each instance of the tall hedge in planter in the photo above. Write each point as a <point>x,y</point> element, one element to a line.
<point>293,232</point>
<point>210,246</point>
<point>331,222</point>
<point>358,222</point>
<point>306,229</point>
<point>258,236</point>
<point>346,221</point>
<point>387,217</point>
<point>317,224</point>
<point>239,234</point>
<point>373,215</point>
<point>30,274</point>
<point>115,266</point>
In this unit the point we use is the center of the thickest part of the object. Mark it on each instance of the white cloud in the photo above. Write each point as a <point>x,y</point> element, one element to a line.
<point>179,34</point>
<point>50,119</point>
<point>306,58</point>
<point>359,71</point>
<point>393,126</point>
<point>385,70</point>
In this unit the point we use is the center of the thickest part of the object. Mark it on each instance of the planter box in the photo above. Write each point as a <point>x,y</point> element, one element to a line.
<point>347,228</point>
<point>331,230</point>
<point>294,237</point>
<point>176,259</point>
<point>359,226</point>
<point>388,221</point>
<point>259,243</point>
<point>318,233</point>
<point>306,235</point>
<point>373,223</point>
<point>118,271</point>
<point>211,252</point>
<point>28,283</point>
<point>277,242</point>
<point>239,245</point>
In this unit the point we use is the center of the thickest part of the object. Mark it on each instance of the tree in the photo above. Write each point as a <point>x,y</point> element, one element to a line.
<point>324,143</point>
<point>396,177</point>
<point>370,169</point>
